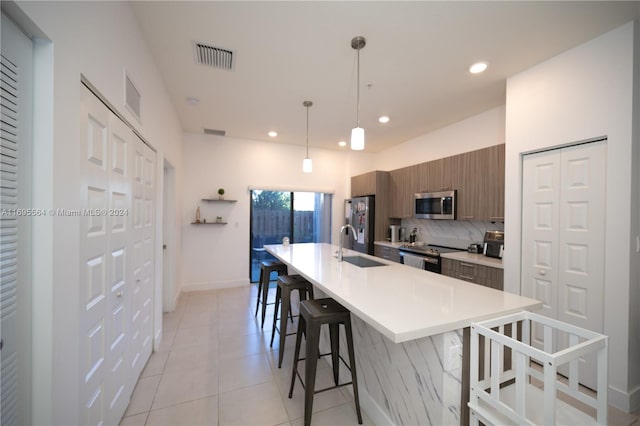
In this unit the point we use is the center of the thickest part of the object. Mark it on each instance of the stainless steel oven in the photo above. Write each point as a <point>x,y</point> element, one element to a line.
<point>424,257</point>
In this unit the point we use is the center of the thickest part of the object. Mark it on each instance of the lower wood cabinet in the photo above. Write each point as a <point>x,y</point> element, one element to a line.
<point>388,253</point>
<point>472,272</point>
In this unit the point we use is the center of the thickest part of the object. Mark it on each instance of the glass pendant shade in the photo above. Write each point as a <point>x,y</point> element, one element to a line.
<point>307,166</point>
<point>357,139</point>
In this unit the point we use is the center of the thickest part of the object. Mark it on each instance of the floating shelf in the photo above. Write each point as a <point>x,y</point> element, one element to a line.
<point>209,223</point>
<point>218,200</point>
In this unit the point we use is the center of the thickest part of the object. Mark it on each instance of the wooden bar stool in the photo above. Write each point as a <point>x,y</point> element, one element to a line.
<point>286,284</point>
<point>313,314</point>
<point>266,268</point>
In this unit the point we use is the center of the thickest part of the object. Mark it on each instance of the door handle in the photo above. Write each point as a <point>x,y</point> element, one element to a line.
<point>542,272</point>
<point>1,343</point>
<point>164,247</point>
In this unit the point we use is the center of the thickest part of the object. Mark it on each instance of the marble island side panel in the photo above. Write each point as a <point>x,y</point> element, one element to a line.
<point>418,382</point>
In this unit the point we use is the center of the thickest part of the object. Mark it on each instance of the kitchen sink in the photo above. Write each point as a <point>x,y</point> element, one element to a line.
<point>362,262</point>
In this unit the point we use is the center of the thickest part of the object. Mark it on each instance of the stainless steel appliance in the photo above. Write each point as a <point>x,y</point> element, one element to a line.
<point>394,233</point>
<point>494,244</point>
<point>425,257</point>
<point>435,205</point>
<point>360,213</point>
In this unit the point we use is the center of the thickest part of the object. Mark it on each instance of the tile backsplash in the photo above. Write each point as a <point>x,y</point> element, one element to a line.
<point>451,233</point>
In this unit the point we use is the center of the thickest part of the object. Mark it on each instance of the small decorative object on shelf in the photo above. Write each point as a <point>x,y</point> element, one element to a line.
<point>218,219</point>
<point>221,193</point>
<point>197,215</point>
<point>204,220</point>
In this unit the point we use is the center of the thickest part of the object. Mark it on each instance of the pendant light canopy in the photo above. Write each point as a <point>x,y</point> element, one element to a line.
<point>307,166</point>
<point>357,133</point>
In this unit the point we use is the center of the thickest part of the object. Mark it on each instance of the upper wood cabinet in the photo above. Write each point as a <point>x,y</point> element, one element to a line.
<point>364,184</point>
<point>403,184</point>
<point>481,186</point>
<point>478,176</point>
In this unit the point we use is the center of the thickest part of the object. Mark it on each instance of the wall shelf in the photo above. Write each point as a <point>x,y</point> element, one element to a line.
<point>209,223</point>
<point>218,200</point>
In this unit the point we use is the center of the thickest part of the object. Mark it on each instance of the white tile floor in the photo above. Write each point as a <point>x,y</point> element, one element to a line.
<point>215,367</point>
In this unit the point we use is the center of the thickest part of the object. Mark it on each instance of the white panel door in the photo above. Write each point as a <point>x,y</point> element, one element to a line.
<point>115,231</point>
<point>143,237</point>
<point>540,226</point>
<point>118,389</point>
<point>94,260</point>
<point>563,234</point>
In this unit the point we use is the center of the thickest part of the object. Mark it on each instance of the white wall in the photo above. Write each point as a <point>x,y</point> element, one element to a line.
<point>583,93</point>
<point>218,256</point>
<point>98,40</point>
<point>477,132</point>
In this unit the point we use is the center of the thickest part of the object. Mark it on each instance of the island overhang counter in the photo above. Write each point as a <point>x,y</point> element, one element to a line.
<point>410,327</point>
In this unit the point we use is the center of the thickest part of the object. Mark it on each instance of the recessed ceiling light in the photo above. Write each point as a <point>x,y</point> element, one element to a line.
<point>342,143</point>
<point>273,134</point>
<point>478,67</point>
<point>192,101</point>
<point>384,119</point>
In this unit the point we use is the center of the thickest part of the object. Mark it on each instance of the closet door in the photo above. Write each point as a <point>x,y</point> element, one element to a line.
<point>16,87</point>
<point>563,235</point>
<point>143,237</point>
<point>116,247</point>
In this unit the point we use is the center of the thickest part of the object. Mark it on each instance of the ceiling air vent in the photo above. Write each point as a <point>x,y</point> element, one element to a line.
<point>213,56</point>
<point>214,132</point>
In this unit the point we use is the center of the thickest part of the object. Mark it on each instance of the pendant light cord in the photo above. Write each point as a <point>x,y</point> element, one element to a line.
<point>358,93</point>
<point>307,131</point>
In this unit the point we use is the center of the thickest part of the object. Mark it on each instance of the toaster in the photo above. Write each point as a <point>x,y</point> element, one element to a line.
<point>493,244</point>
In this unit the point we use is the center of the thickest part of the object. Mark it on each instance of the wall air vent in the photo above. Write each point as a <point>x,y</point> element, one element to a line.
<point>213,56</point>
<point>132,98</point>
<point>214,132</point>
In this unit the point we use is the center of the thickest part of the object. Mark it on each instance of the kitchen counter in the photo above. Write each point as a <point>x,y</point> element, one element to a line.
<point>400,302</point>
<point>479,259</point>
<point>410,331</point>
<point>389,244</point>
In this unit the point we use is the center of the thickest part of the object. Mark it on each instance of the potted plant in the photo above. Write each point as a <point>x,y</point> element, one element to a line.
<point>221,193</point>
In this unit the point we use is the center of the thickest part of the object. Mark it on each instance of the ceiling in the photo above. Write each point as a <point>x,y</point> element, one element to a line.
<point>414,67</point>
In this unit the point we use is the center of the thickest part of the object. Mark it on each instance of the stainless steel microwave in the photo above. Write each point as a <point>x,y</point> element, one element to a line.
<point>435,205</point>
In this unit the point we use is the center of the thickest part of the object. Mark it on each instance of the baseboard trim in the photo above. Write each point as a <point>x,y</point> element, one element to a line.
<point>191,287</point>
<point>627,402</point>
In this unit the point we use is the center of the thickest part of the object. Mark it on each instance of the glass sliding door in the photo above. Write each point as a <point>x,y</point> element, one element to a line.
<point>303,217</point>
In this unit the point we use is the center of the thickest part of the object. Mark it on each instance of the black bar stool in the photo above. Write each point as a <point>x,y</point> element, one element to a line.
<point>286,284</point>
<point>313,314</point>
<point>266,268</point>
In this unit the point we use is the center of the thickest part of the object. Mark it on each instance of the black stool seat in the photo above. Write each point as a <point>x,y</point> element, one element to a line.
<point>287,284</point>
<point>314,314</point>
<point>266,268</point>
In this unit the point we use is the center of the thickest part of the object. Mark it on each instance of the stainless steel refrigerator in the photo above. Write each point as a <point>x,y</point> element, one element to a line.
<point>360,213</point>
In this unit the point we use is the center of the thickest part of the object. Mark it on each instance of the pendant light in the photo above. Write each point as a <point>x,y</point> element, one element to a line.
<point>307,166</point>
<point>357,133</point>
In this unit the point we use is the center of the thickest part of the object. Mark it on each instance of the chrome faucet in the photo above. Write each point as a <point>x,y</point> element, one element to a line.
<point>355,237</point>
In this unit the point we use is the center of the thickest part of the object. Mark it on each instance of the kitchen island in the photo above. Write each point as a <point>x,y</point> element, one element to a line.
<point>408,330</point>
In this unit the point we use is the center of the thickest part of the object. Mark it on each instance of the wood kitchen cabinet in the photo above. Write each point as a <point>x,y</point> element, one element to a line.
<point>375,183</point>
<point>473,272</point>
<point>386,252</point>
<point>404,183</point>
<point>481,184</point>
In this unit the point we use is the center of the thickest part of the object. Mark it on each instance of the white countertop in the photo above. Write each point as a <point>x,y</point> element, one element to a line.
<point>401,302</point>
